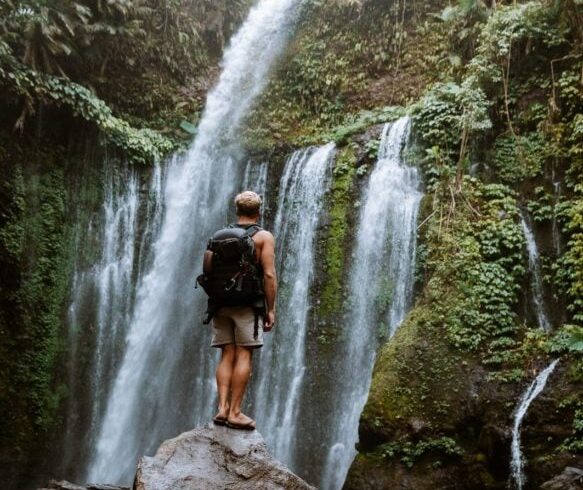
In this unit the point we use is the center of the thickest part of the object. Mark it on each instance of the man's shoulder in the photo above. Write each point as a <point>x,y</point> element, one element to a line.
<point>263,236</point>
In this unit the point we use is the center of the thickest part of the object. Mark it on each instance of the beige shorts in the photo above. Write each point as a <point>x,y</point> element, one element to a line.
<point>236,325</point>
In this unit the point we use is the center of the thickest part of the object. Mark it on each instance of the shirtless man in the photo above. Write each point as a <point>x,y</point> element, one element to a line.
<point>234,326</point>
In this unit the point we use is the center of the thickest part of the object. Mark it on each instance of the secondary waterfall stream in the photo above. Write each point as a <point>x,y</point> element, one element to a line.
<point>304,181</point>
<point>536,279</point>
<point>160,386</point>
<point>533,390</point>
<point>383,264</point>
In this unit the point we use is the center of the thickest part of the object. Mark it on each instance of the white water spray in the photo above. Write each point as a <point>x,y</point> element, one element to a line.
<point>165,380</point>
<point>534,389</point>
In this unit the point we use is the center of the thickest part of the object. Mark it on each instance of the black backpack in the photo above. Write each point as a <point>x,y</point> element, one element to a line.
<point>232,276</point>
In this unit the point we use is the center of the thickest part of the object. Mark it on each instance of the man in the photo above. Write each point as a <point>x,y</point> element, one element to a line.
<point>235,327</point>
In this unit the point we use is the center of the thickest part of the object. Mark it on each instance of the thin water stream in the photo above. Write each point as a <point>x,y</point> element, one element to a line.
<point>534,389</point>
<point>535,273</point>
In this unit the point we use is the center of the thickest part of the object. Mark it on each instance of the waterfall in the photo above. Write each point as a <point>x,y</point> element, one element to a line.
<point>164,382</point>
<point>534,389</point>
<point>536,280</point>
<point>381,283</point>
<point>102,296</point>
<point>114,283</point>
<point>282,364</point>
<point>255,177</point>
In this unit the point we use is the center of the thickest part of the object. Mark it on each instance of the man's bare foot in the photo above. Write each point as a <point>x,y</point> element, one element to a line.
<point>221,416</point>
<point>240,421</point>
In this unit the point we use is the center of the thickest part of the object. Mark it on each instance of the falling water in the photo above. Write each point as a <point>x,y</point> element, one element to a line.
<point>102,297</point>
<point>255,177</point>
<point>114,286</point>
<point>555,224</point>
<point>165,379</point>
<point>282,365</point>
<point>536,282</point>
<point>535,388</point>
<point>381,283</point>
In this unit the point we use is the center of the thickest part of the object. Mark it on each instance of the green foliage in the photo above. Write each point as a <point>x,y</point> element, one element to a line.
<point>409,452</point>
<point>505,29</point>
<point>148,60</point>
<point>445,118</point>
<point>358,123</point>
<point>574,443</point>
<point>568,339</point>
<point>519,157</point>
<point>189,127</point>
<point>437,119</point>
<point>569,270</point>
<point>345,58</point>
<point>542,207</point>
<point>141,145</point>
<point>476,263</point>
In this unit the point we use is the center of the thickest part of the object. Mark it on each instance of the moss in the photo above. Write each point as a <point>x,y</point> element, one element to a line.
<point>416,376</point>
<point>341,206</point>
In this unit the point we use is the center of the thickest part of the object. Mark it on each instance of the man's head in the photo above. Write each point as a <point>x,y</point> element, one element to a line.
<point>248,204</point>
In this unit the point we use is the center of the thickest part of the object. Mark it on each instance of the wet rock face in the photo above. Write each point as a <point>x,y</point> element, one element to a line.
<point>215,458</point>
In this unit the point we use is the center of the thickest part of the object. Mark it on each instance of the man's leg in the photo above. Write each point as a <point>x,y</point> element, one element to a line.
<point>224,377</point>
<point>241,373</point>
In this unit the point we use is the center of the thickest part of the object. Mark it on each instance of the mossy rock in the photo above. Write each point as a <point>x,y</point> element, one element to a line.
<point>420,384</point>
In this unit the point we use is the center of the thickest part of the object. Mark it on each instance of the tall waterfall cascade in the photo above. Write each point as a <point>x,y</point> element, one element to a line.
<point>164,381</point>
<point>383,263</point>
<point>533,390</point>
<point>304,182</point>
<point>536,279</point>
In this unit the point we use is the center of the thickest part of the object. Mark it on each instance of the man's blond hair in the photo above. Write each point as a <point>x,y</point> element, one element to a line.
<point>248,204</point>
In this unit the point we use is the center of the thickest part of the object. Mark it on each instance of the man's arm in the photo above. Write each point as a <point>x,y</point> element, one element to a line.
<point>267,260</point>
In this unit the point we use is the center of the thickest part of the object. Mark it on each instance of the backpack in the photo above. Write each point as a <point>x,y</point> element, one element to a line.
<point>232,275</point>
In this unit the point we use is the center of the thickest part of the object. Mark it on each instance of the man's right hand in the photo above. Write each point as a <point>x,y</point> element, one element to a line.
<point>269,321</point>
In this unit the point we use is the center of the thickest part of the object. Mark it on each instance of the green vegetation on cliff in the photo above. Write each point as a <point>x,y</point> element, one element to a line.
<point>34,259</point>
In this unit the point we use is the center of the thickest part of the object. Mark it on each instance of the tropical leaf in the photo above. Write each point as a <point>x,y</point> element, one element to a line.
<point>188,127</point>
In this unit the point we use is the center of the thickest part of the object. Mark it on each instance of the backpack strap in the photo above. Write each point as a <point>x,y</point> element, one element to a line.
<point>250,229</point>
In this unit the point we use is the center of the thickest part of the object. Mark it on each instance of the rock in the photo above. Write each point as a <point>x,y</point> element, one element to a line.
<point>215,458</point>
<point>65,485</point>
<point>570,479</point>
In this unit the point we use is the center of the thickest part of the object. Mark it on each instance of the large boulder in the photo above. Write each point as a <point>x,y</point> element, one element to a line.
<point>215,458</point>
